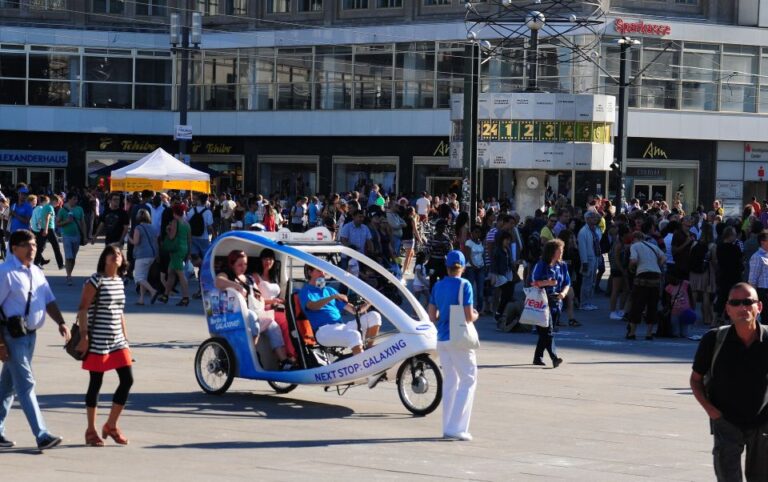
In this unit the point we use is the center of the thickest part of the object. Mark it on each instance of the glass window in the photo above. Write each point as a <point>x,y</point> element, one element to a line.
<point>153,71</point>
<point>153,97</point>
<point>310,5</point>
<point>50,5</point>
<point>764,100</point>
<point>430,3</point>
<point>13,92</point>
<point>450,72</point>
<point>109,96</point>
<point>373,76</point>
<point>208,7</point>
<point>738,98</point>
<point>256,97</point>
<point>294,70</point>
<point>656,94</point>
<point>9,4</point>
<point>152,8</point>
<point>278,6</point>
<point>288,179</point>
<point>220,97</point>
<point>236,7</point>
<point>219,69</point>
<point>701,62</point>
<point>333,77</point>
<point>739,78</point>
<point>108,6</point>
<point>699,96</point>
<point>360,177</point>
<point>354,4</point>
<point>13,65</point>
<point>109,69</point>
<point>504,71</point>
<point>415,72</point>
<point>54,66</point>
<point>256,71</point>
<point>53,93</point>
<point>389,3</point>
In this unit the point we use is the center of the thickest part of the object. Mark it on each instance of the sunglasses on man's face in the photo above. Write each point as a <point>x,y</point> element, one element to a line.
<point>744,302</point>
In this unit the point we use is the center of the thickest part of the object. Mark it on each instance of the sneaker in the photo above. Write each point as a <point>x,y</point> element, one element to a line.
<point>616,315</point>
<point>588,307</point>
<point>375,379</point>
<point>5,443</point>
<point>464,436</point>
<point>621,314</point>
<point>48,442</point>
<point>557,362</point>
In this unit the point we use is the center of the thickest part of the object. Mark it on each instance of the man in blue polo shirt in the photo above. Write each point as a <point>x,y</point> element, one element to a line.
<point>323,304</point>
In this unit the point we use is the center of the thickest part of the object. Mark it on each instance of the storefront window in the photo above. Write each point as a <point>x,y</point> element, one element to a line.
<point>333,77</point>
<point>588,183</point>
<point>289,180</point>
<point>436,178</point>
<point>361,176</point>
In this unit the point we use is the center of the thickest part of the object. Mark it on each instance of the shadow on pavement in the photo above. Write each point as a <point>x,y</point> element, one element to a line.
<point>277,444</point>
<point>234,404</point>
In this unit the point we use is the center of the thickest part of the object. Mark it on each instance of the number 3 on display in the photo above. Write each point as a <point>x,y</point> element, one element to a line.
<point>549,131</point>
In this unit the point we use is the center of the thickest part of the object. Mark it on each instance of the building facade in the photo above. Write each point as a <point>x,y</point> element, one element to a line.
<point>303,96</point>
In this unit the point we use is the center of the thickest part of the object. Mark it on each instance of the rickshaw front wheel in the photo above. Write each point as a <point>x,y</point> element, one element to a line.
<point>420,385</point>
<point>214,366</point>
<point>282,387</point>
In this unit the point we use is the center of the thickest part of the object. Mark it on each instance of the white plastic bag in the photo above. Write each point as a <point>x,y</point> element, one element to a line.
<point>462,334</point>
<point>535,308</point>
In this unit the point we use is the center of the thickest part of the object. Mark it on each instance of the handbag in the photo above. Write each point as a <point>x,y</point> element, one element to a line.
<point>16,325</point>
<point>74,334</point>
<point>535,308</point>
<point>462,335</point>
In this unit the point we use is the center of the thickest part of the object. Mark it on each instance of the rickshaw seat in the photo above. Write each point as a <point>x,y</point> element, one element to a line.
<point>303,326</point>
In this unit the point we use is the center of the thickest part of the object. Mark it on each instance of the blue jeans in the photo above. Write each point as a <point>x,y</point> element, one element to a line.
<point>16,377</point>
<point>476,276</point>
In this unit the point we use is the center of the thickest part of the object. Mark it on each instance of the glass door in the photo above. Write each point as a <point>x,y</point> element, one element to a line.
<point>40,180</point>
<point>653,191</point>
<point>7,179</point>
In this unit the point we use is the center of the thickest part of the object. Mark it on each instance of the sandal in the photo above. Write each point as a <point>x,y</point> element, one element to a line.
<point>162,298</point>
<point>154,297</point>
<point>184,302</point>
<point>115,433</point>
<point>92,439</point>
<point>572,322</point>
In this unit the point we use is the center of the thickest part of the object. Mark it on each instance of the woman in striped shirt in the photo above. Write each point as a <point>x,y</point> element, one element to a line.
<point>102,327</point>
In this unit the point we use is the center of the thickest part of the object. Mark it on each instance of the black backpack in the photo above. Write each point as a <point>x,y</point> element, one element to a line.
<point>197,223</point>
<point>698,258</point>
<point>533,246</point>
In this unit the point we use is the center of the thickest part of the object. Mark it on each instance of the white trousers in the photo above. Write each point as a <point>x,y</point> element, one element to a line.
<point>346,334</point>
<point>459,383</point>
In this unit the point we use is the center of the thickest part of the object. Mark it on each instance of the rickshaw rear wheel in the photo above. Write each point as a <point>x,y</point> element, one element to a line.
<point>282,387</point>
<point>420,385</point>
<point>214,366</point>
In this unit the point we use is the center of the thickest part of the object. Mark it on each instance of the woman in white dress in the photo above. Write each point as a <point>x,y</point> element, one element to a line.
<point>267,280</point>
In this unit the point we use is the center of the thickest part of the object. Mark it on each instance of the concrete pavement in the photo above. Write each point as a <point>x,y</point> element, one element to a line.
<point>615,410</point>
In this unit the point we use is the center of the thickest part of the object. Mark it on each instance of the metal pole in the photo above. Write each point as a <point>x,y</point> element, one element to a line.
<point>532,62</point>
<point>621,138</point>
<point>185,19</point>
<point>471,87</point>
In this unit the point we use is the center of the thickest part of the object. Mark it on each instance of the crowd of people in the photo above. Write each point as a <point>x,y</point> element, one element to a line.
<point>667,268</point>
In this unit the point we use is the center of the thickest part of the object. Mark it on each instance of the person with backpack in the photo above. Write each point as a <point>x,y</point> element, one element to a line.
<point>200,219</point>
<point>702,277</point>
<point>758,271</point>
<point>646,259</point>
<point>729,379</point>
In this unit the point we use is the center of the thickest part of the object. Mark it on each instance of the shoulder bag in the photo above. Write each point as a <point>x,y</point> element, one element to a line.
<point>462,335</point>
<point>74,332</point>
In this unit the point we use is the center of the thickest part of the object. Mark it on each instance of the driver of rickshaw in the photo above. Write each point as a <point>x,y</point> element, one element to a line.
<point>322,305</point>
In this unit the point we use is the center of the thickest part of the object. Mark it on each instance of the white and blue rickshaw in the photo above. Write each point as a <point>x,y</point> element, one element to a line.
<point>404,349</point>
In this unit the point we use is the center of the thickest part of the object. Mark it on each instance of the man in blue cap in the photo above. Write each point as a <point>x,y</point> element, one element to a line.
<point>21,211</point>
<point>459,364</point>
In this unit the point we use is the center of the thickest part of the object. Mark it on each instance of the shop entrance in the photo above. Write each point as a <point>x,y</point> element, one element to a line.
<point>444,185</point>
<point>653,191</point>
<point>7,178</point>
<point>40,179</point>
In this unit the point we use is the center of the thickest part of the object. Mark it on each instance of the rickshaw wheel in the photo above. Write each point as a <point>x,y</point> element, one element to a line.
<point>214,366</point>
<point>282,387</point>
<point>420,385</point>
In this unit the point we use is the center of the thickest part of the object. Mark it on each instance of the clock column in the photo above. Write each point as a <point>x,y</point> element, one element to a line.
<point>530,188</point>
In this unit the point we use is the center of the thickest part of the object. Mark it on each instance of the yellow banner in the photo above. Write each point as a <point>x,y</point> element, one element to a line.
<point>138,184</point>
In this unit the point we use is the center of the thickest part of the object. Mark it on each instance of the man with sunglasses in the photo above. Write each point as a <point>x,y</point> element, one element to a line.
<point>734,360</point>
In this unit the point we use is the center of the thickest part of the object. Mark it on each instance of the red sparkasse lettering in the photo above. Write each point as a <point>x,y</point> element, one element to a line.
<point>640,26</point>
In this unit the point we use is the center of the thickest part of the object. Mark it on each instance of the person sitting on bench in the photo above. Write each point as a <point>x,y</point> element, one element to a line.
<point>322,305</point>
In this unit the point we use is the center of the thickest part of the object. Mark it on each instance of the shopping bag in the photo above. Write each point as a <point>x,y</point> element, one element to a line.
<point>535,308</point>
<point>463,335</point>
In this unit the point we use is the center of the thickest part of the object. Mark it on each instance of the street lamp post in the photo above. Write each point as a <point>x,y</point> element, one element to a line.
<point>534,21</point>
<point>625,43</point>
<point>471,87</point>
<point>180,34</point>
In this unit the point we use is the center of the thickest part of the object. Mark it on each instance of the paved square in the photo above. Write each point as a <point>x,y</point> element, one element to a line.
<point>615,410</point>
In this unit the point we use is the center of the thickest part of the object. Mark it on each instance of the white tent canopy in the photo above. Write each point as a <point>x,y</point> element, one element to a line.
<point>159,171</point>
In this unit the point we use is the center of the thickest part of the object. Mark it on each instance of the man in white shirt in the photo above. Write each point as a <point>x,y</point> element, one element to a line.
<point>227,212</point>
<point>201,239</point>
<point>422,207</point>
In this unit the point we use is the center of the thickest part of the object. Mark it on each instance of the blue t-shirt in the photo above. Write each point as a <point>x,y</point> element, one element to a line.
<point>312,214</point>
<point>559,272</point>
<point>328,314</point>
<point>444,294</point>
<point>23,210</point>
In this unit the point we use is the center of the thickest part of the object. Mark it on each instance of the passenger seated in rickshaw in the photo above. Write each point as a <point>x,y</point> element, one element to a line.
<point>322,305</point>
<point>261,321</point>
<point>267,280</point>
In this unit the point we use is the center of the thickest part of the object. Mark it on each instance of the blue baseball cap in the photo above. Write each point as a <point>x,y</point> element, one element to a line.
<point>454,258</point>
<point>23,190</point>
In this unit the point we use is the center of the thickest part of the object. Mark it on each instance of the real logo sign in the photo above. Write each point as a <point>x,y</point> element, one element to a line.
<point>535,304</point>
